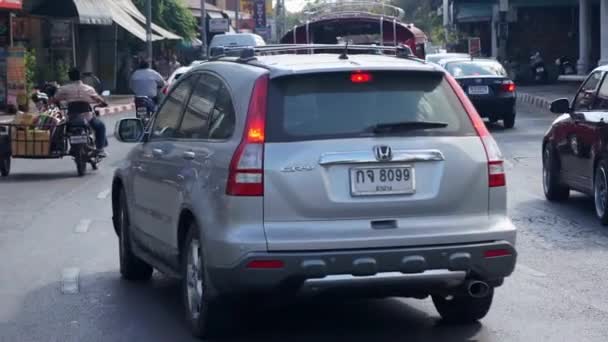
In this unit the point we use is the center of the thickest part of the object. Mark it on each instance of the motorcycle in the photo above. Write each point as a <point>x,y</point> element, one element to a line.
<point>538,68</point>
<point>80,136</point>
<point>144,109</point>
<point>565,65</point>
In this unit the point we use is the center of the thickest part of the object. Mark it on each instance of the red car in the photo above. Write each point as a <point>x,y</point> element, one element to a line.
<point>575,149</point>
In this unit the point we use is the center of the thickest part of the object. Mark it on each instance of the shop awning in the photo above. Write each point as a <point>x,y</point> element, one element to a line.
<point>128,7</point>
<point>470,12</point>
<point>124,20</point>
<point>92,12</point>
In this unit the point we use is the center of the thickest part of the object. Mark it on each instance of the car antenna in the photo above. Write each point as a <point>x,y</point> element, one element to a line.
<point>344,54</point>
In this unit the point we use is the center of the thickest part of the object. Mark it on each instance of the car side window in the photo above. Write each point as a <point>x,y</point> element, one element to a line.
<point>195,124</point>
<point>223,119</point>
<point>586,96</point>
<point>169,115</point>
<point>601,102</point>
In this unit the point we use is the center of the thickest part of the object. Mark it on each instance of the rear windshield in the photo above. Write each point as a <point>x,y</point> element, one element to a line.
<point>460,69</point>
<point>331,106</point>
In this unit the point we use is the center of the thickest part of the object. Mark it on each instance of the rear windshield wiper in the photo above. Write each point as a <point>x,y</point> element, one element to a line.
<point>406,126</point>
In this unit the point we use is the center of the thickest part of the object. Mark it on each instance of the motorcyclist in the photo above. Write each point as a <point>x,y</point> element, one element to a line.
<point>77,91</point>
<point>146,82</point>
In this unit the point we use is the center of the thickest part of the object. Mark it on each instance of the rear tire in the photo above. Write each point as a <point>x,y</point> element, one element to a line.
<point>131,267</point>
<point>600,191</point>
<point>5,166</point>
<point>463,309</point>
<point>81,161</point>
<point>206,317</point>
<point>554,190</point>
<point>508,120</point>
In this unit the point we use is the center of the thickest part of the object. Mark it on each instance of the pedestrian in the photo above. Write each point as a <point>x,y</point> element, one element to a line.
<point>174,64</point>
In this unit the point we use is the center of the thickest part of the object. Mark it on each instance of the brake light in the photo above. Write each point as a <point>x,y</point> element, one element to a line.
<point>266,264</point>
<point>495,253</point>
<point>246,176</point>
<point>165,90</point>
<point>361,77</point>
<point>508,87</point>
<point>496,170</point>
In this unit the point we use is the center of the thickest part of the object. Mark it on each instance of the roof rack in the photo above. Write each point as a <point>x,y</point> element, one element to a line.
<point>248,53</point>
<point>358,8</point>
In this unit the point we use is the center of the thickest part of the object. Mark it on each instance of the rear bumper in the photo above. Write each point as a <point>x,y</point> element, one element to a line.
<point>495,106</point>
<point>405,271</point>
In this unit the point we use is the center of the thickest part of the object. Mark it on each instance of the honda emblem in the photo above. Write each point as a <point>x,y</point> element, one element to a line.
<point>383,153</point>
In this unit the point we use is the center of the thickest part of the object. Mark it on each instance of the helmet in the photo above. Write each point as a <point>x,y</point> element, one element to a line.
<point>40,97</point>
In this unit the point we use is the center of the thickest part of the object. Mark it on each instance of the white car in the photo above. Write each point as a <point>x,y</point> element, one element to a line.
<point>174,77</point>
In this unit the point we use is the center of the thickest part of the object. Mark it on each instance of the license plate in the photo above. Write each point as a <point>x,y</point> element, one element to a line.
<point>141,111</point>
<point>540,69</point>
<point>376,181</point>
<point>78,139</point>
<point>479,90</point>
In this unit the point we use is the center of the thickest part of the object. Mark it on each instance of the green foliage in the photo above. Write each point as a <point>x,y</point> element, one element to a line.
<point>30,70</point>
<point>172,15</point>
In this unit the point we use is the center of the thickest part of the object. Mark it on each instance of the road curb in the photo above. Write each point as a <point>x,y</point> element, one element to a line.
<point>112,110</point>
<point>533,100</point>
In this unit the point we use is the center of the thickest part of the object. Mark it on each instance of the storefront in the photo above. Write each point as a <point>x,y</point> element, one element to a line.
<point>12,71</point>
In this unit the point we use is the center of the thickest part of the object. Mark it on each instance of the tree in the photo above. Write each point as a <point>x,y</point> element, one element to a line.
<point>172,15</point>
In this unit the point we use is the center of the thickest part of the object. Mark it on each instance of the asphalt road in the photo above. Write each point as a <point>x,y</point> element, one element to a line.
<point>59,278</point>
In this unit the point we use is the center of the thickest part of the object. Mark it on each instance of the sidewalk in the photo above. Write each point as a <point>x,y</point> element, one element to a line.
<point>117,104</point>
<point>541,96</point>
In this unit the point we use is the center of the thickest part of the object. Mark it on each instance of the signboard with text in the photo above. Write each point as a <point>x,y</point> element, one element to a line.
<point>218,25</point>
<point>259,15</point>
<point>15,76</point>
<point>475,47</point>
<point>11,4</point>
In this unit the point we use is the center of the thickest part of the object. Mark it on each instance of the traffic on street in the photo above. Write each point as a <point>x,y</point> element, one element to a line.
<point>61,281</point>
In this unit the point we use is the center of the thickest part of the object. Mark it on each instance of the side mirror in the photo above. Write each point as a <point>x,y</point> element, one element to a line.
<point>105,93</point>
<point>129,130</point>
<point>560,106</point>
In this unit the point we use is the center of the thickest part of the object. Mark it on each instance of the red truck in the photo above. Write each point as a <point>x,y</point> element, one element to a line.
<point>358,22</point>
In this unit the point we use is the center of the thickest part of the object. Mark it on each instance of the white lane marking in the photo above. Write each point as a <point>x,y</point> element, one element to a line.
<point>70,278</point>
<point>104,194</point>
<point>530,271</point>
<point>83,226</point>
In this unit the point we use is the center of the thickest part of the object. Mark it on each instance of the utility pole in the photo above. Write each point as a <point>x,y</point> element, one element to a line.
<point>204,28</point>
<point>236,15</point>
<point>149,30</point>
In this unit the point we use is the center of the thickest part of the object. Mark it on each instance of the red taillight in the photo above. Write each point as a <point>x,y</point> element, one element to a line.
<point>165,90</point>
<point>508,87</point>
<point>495,253</point>
<point>266,264</point>
<point>246,176</point>
<point>361,77</point>
<point>496,171</point>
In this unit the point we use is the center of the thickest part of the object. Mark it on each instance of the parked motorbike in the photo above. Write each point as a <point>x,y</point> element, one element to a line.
<point>81,138</point>
<point>565,65</point>
<point>538,68</point>
<point>144,109</point>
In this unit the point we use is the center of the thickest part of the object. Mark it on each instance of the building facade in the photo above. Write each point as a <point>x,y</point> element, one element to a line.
<point>515,29</point>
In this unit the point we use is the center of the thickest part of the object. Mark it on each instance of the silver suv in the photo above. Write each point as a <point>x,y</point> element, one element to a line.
<point>294,174</point>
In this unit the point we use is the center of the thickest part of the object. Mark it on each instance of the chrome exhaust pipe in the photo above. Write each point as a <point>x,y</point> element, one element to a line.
<point>477,289</point>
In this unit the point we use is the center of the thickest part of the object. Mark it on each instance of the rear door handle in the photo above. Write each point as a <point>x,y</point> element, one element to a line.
<point>189,155</point>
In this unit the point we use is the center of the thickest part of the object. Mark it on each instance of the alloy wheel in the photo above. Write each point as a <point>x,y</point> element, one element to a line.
<point>600,192</point>
<point>194,281</point>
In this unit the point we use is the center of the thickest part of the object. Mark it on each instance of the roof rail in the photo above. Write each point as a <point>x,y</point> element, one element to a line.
<point>248,53</point>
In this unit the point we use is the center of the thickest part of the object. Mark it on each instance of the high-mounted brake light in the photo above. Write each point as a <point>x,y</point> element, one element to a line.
<point>508,86</point>
<point>361,77</point>
<point>246,176</point>
<point>496,170</point>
